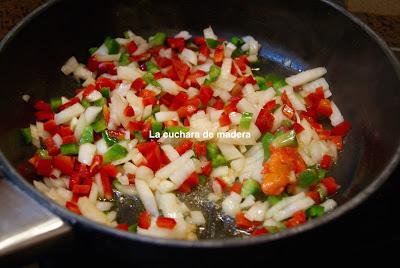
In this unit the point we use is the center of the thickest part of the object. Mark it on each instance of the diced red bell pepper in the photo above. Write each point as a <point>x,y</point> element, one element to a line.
<point>324,108</point>
<point>342,129</point>
<point>224,119</point>
<point>162,62</point>
<point>176,43</point>
<point>50,126</point>
<point>193,77</point>
<point>219,54</point>
<point>138,84</point>
<point>107,67</point>
<point>314,195</point>
<point>106,82</point>
<point>69,103</point>
<point>146,130</point>
<point>326,161</point>
<point>147,147</point>
<point>222,183</point>
<point>243,223</point>
<point>207,168</point>
<point>144,220</point>
<point>241,62</point>
<point>40,105</point>
<point>265,119</point>
<point>43,116</point>
<point>154,159</point>
<point>187,110</point>
<point>205,94</point>
<point>190,182</point>
<point>96,164</point>
<point>179,100</point>
<point>181,69</point>
<point>106,172</point>
<point>128,111</point>
<point>93,64</point>
<point>297,127</point>
<point>51,146</point>
<point>167,99</point>
<point>74,179</point>
<point>298,218</point>
<point>199,40</point>
<point>218,104</point>
<point>158,75</point>
<point>44,167</point>
<point>184,146</point>
<point>64,163</point>
<point>167,223</point>
<point>131,47</point>
<point>200,149</point>
<point>204,50</point>
<point>236,187</point>
<point>81,189</point>
<point>122,226</point>
<point>68,139</point>
<point>135,125</point>
<point>260,231</point>
<point>149,97</point>
<point>73,207</point>
<point>65,131</point>
<point>88,90</point>
<point>330,185</point>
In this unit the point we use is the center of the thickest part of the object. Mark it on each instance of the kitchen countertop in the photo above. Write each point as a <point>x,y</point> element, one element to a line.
<point>367,229</point>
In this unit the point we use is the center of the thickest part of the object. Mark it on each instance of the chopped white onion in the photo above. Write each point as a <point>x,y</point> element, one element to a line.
<point>305,77</point>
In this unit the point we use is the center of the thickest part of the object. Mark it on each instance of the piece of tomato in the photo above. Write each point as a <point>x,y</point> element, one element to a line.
<point>167,223</point>
<point>144,220</point>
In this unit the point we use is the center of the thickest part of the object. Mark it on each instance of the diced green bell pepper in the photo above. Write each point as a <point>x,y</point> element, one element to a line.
<point>315,211</point>
<point>114,153</point>
<point>112,45</point>
<point>109,140</point>
<point>321,173</point>
<point>55,103</point>
<point>266,142</point>
<point>100,102</point>
<point>92,50</point>
<point>100,124</point>
<point>245,120</point>
<point>212,150</point>
<point>214,72</point>
<point>69,149</point>
<point>286,139</point>
<point>151,67</point>
<point>237,41</point>
<point>139,137</point>
<point>85,103</point>
<point>212,43</point>
<point>237,53</point>
<point>174,129</point>
<point>27,135</point>
<point>87,135</point>
<point>124,59</point>
<point>219,160</point>
<point>158,39</point>
<point>261,82</point>
<point>273,199</point>
<point>155,109</point>
<point>156,127</point>
<point>132,228</point>
<point>105,92</point>
<point>250,187</point>
<point>308,177</point>
<point>149,79</point>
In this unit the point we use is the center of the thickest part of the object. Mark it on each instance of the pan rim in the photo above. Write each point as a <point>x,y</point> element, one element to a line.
<point>12,175</point>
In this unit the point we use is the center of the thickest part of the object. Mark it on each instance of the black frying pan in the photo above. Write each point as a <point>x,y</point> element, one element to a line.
<point>363,74</point>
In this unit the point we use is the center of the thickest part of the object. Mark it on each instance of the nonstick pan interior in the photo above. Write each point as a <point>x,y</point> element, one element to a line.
<point>294,37</point>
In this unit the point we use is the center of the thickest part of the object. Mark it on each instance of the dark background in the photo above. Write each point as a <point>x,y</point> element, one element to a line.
<point>369,233</point>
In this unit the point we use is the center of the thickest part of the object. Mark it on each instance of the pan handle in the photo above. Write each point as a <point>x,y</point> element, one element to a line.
<point>25,224</point>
